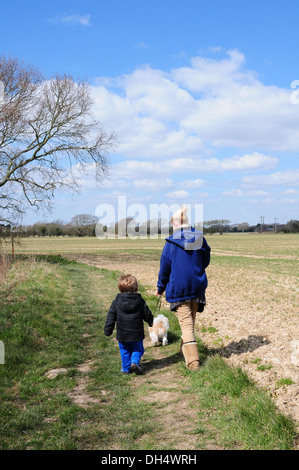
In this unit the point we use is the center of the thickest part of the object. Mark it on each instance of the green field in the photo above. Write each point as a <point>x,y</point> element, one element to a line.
<point>265,245</point>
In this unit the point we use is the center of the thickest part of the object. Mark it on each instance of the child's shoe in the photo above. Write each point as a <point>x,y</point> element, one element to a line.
<point>136,368</point>
<point>124,371</point>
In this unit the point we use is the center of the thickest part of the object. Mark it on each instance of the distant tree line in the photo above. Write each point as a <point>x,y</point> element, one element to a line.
<point>223,225</point>
<point>84,225</point>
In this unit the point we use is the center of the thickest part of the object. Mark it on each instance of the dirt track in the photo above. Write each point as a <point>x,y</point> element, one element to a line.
<point>250,320</point>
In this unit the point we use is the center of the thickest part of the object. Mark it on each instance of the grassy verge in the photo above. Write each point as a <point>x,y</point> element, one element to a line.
<point>241,415</point>
<point>54,318</point>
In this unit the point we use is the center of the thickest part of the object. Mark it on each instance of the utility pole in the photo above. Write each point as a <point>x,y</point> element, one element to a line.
<point>275,225</point>
<point>262,223</point>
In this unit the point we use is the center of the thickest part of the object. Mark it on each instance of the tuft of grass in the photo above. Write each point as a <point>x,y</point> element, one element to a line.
<point>257,360</point>
<point>284,381</point>
<point>209,329</point>
<point>263,367</point>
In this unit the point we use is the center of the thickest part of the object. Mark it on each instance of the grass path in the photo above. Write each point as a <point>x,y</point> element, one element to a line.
<point>54,317</point>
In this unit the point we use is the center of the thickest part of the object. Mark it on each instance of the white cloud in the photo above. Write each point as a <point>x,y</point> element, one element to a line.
<point>249,161</point>
<point>207,105</point>
<point>153,185</point>
<point>72,19</point>
<point>203,195</point>
<point>141,45</point>
<point>145,109</point>
<point>280,178</point>
<point>291,191</point>
<point>195,166</point>
<point>275,201</point>
<point>214,77</point>
<point>258,192</point>
<point>233,193</point>
<point>178,195</point>
<point>240,193</point>
<point>198,183</point>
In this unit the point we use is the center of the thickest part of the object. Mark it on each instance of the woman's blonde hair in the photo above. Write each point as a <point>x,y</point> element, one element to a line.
<point>127,283</point>
<point>180,216</point>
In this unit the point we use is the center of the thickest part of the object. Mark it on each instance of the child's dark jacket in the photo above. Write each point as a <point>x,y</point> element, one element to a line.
<point>128,310</point>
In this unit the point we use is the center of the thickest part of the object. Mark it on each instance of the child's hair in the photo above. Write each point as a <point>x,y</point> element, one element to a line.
<point>180,216</point>
<point>127,283</point>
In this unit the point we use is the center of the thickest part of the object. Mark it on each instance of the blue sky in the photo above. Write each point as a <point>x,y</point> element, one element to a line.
<point>198,92</point>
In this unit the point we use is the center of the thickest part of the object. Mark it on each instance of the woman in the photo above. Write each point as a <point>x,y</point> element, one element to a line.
<point>184,259</point>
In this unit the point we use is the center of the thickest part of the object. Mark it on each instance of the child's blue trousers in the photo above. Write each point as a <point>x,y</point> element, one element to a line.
<point>130,353</point>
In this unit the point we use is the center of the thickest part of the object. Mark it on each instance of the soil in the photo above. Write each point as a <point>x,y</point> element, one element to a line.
<point>249,320</point>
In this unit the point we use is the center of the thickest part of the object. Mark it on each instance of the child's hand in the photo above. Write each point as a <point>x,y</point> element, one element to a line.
<point>159,294</point>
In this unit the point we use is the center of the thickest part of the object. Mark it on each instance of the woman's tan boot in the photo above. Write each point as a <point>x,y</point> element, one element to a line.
<point>190,353</point>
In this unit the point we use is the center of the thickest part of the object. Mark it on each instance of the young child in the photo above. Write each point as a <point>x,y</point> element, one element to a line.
<point>128,310</point>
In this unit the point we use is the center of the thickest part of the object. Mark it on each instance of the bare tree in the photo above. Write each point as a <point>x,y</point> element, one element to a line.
<point>47,137</point>
<point>243,226</point>
<point>84,224</point>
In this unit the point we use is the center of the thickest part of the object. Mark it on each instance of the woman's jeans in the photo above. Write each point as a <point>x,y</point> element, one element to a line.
<point>186,315</point>
<point>130,353</point>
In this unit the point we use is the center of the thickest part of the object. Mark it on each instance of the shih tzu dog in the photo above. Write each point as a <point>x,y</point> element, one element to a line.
<point>158,332</point>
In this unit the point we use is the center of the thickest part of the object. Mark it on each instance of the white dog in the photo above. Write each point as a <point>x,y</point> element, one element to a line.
<point>158,332</point>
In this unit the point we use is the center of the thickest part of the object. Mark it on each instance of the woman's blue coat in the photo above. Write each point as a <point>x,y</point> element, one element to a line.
<point>184,258</point>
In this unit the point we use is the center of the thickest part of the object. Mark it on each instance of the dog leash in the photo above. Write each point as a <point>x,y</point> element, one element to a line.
<point>158,303</point>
